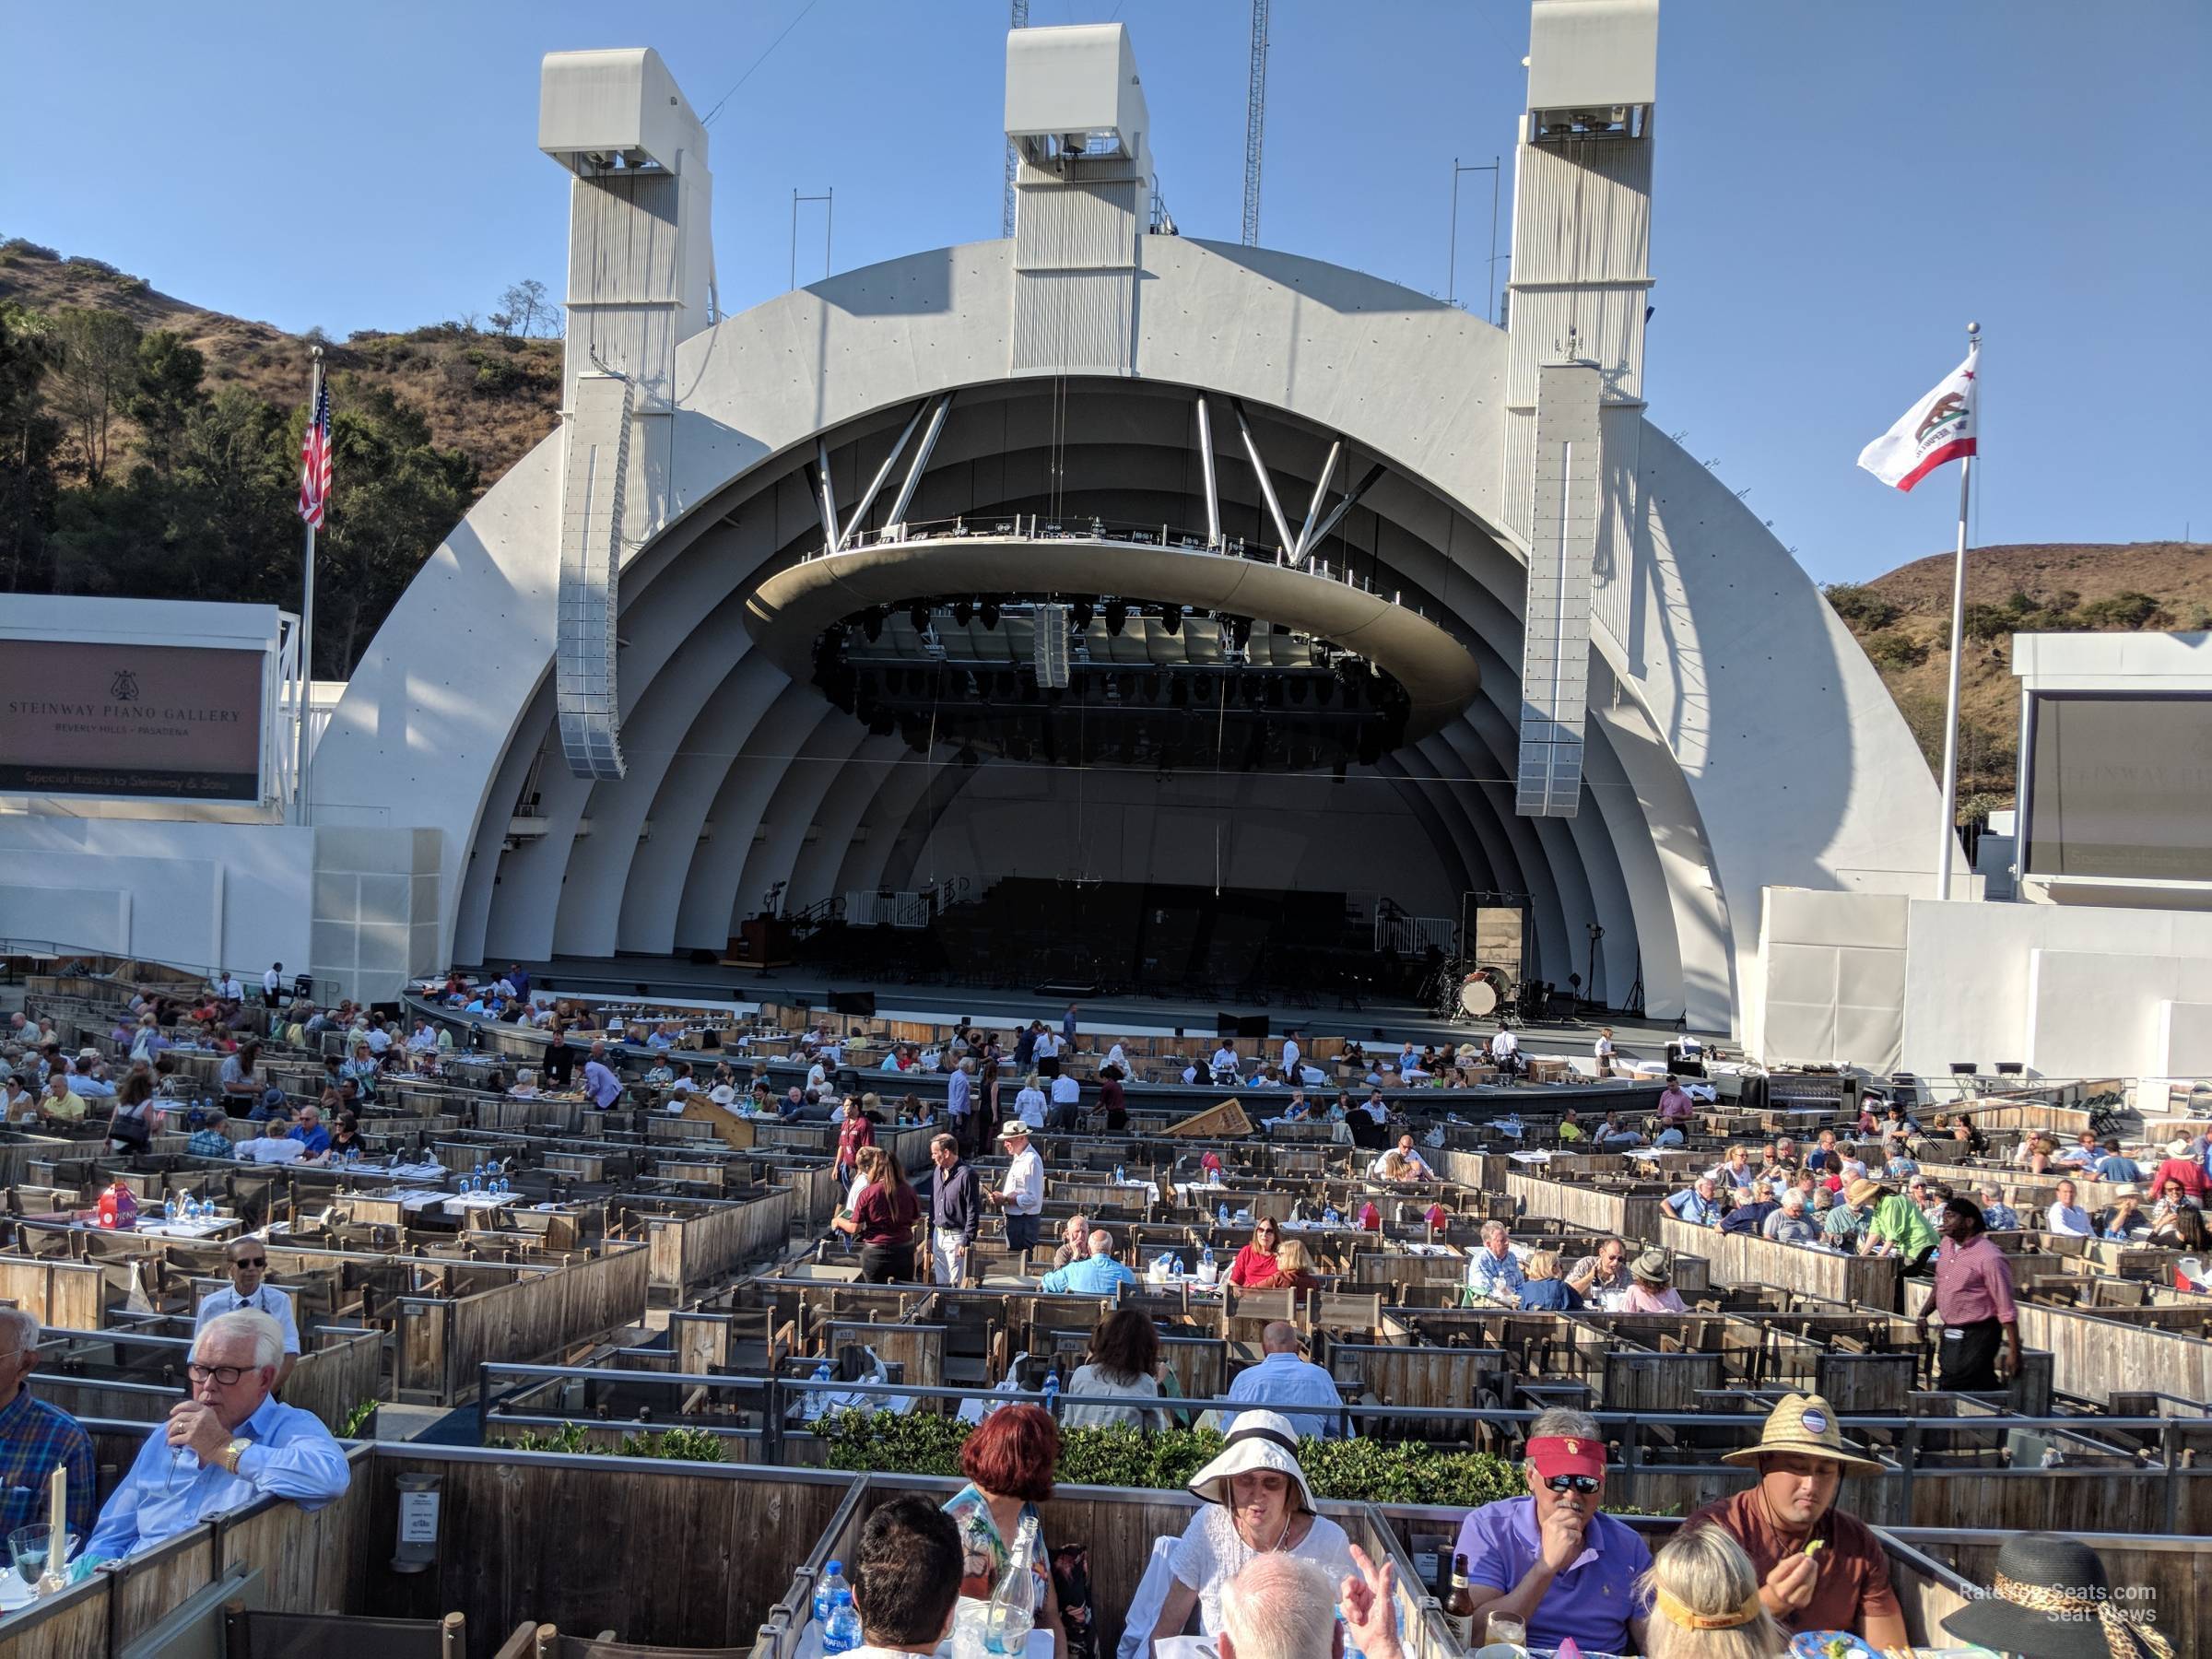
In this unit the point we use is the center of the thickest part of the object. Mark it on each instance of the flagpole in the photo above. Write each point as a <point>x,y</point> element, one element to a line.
<point>302,812</point>
<point>1947,831</point>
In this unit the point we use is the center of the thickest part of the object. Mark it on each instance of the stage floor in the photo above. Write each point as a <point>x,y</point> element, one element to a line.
<point>668,978</point>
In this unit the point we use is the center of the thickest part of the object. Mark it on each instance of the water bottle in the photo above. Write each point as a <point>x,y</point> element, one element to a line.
<point>1012,1614</point>
<point>1118,1177</point>
<point>1330,1217</point>
<point>1209,1271</point>
<point>840,1630</point>
<point>826,1590</point>
<point>1051,1393</point>
<point>1223,1215</point>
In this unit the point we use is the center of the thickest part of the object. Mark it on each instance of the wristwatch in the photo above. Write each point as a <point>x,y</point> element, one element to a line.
<point>230,1454</point>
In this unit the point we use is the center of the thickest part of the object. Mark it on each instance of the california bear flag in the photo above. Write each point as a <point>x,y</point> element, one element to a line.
<point>1939,428</point>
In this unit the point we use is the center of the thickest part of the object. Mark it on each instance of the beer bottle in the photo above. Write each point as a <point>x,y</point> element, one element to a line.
<point>1459,1606</point>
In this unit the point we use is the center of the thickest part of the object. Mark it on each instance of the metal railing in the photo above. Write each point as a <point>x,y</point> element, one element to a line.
<point>775,1396</point>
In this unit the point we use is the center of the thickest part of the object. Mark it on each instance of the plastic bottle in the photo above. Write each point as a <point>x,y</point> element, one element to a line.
<point>1012,1614</point>
<point>1209,1270</point>
<point>826,1589</point>
<point>1051,1393</point>
<point>1118,1176</point>
<point>840,1630</point>
<point>1222,1216</point>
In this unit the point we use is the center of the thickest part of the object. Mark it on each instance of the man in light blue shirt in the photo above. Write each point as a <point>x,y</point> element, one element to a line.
<point>1494,1271</point>
<point>1282,1378</point>
<point>599,1079</point>
<point>1699,1206</point>
<point>1096,1274</point>
<point>230,1444</point>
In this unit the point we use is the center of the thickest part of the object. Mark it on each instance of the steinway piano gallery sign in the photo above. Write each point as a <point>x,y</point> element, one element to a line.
<point>87,719</point>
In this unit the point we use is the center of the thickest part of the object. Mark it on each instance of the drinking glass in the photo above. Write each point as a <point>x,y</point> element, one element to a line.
<point>28,1545</point>
<point>1505,1630</point>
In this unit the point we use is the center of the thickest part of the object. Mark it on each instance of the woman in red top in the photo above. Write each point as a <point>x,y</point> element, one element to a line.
<point>1255,1264</point>
<point>883,1220</point>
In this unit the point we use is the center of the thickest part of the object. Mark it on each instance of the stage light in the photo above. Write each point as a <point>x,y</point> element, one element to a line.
<point>1240,631</point>
<point>1117,614</point>
<point>963,611</point>
<point>871,624</point>
<point>1081,614</point>
<point>988,612</point>
<point>918,616</point>
<point>1171,618</point>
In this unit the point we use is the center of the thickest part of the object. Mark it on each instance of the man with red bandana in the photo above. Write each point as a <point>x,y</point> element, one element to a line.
<point>1554,1560</point>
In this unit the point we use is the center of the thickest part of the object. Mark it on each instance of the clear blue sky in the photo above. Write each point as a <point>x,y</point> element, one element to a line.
<point>1841,186</point>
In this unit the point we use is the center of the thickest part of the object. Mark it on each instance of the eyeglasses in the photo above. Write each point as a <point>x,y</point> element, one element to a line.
<point>1585,1484</point>
<point>224,1374</point>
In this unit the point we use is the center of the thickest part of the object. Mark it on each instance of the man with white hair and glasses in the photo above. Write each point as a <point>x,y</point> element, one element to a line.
<point>231,1442</point>
<point>35,1436</point>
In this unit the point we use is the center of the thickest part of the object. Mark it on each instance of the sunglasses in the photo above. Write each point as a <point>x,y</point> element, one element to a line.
<point>1585,1484</point>
<point>249,1262</point>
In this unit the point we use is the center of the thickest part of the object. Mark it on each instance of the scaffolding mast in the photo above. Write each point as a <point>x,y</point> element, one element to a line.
<point>1255,123</point>
<point>1018,18</point>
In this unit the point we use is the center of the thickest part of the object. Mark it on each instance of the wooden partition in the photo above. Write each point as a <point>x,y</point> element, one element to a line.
<point>687,1555</point>
<point>1584,1205</point>
<point>541,1317</point>
<point>1868,1282</point>
<point>340,1372</point>
<point>691,1249</point>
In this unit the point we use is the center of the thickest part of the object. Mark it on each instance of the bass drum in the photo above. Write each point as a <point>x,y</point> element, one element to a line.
<point>1478,999</point>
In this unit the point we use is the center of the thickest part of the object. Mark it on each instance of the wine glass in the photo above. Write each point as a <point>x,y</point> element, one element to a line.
<point>29,1545</point>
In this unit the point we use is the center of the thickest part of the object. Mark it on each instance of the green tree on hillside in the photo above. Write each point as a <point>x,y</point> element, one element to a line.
<point>167,395</point>
<point>396,495</point>
<point>29,437</point>
<point>95,372</point>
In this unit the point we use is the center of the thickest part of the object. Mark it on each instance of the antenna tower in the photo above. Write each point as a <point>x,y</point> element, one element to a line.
<point>1255,123</point>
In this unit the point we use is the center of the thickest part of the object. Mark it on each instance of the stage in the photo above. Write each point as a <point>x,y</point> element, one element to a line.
<point>1377,1021</point>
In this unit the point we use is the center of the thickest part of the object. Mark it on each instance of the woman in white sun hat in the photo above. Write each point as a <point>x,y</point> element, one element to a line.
<point>1257,1503</point>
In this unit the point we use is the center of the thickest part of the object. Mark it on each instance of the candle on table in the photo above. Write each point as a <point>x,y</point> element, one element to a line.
<point>57,1538</point>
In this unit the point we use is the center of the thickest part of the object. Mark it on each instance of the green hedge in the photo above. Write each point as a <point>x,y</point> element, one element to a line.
<point>1361,1470</point>
<point>678,1445</point>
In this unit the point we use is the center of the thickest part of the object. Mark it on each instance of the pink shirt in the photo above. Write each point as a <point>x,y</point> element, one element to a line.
<point>1641,1300</point>
<point>1973,1283</point>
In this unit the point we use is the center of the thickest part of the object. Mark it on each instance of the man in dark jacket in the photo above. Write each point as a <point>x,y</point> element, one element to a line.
<point>559,1071</point>
<point>955,1209</point>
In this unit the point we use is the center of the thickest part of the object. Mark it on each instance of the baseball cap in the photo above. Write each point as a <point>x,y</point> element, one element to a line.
<point>1566,1454</point>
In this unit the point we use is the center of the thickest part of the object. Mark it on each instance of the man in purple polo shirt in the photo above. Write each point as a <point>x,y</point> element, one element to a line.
<point>1552,1559</point>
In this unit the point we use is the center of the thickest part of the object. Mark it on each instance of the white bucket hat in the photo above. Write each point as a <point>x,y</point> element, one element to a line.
<point>1260,1439</point>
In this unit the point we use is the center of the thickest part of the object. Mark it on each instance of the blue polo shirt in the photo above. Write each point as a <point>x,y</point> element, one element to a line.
<point>1592,1601</point>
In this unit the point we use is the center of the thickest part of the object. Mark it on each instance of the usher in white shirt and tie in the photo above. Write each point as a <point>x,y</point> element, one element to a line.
<point>268,1300</point>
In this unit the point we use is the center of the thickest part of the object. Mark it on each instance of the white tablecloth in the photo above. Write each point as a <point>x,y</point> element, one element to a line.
<point>213,1229</point>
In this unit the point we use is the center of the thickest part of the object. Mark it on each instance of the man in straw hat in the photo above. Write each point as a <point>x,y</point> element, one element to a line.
<point>1022,1195</point>
<point>2050,1599</point>
<point>1819,1567</point>
<point>1554,1560</point>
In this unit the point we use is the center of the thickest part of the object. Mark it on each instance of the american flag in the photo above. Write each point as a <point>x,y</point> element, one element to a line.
<point>314,462</point>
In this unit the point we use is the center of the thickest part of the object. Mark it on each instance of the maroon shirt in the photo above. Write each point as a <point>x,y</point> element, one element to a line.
<point>1973,1283</point>
<point>886,1215</point>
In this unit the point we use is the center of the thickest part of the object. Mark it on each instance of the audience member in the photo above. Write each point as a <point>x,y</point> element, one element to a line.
<point>229,1443</point>
<point>35,1438</point>
<point>1553,1560</point>
<point>1844,1584</point>
<point>1283,1379</point>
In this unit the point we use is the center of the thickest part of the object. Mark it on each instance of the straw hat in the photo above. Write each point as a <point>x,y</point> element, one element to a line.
<point>2178,1147</point>
<point>2050,1599</point>
<point>1013,1129</point>
<point>1803,1425</point>
<point>1261,1440</point>
<point>1864,1191</point>
<point>1651,1267</point>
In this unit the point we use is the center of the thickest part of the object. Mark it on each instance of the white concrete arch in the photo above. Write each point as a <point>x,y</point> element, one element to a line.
<point>1736,709</point>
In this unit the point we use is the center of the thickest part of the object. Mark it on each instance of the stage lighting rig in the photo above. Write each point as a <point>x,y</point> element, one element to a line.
<point>1117,616</point>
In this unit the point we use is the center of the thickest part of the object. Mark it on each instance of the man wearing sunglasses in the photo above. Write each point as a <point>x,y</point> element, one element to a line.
<point>229,1444</point>
<point>1552,1559</point>
<point>250,1290</point>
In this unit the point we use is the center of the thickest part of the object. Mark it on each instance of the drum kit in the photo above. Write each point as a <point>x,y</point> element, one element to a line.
<point>1470,993</point>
